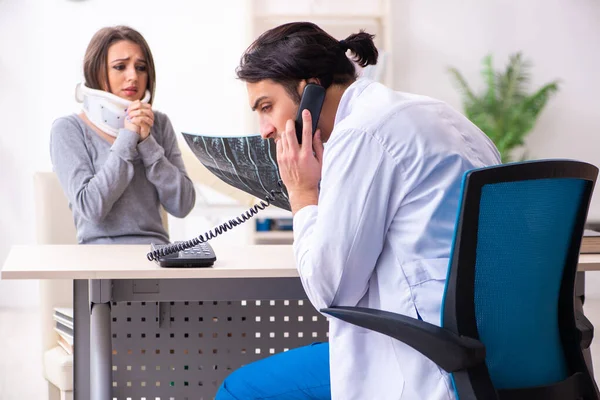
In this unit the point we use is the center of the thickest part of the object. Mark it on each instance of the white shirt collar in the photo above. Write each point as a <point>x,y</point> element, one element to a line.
<point>352,92</point>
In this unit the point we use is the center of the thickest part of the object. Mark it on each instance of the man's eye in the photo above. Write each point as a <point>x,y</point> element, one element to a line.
<point>265,108</point>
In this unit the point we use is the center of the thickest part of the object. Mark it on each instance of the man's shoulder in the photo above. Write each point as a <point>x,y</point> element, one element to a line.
<point>379,107</point>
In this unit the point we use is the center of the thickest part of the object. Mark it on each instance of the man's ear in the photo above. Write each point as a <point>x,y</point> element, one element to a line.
<point>302,84</point>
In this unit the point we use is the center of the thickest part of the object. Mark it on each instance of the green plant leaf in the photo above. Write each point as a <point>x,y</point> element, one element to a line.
<point>537,101</point>
<point>490,78</point>
<point>512,84</point>
<point>462,85</point>
<point>504,111</point>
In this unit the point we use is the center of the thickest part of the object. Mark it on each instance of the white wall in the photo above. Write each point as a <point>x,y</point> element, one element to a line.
<point>21,142</point>
<point>561,38</point>
<point>196,47</point>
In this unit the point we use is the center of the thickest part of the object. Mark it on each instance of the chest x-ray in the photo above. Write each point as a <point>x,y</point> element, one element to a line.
<point>248,163</point>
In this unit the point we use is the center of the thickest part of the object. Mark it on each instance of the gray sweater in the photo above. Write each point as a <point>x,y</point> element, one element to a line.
<point>115,191</point>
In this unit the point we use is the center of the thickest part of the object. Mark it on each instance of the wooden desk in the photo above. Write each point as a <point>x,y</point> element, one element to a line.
<point>118,274</point>
<point>589,262</point>
<point>129,262</point>
<point>142,331</point>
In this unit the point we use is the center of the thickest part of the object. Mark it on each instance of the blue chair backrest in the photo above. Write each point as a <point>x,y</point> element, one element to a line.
<point>513,259</point>
<point>523,239</point>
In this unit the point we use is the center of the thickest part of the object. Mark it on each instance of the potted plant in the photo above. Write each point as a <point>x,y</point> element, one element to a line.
<point>505,110</point>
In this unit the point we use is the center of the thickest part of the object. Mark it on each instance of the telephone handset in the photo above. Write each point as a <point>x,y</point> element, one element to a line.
<point>312,99</point>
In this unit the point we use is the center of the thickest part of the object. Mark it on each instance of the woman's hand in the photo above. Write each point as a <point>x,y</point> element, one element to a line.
<point>140,119</point>
<point>299,166</point>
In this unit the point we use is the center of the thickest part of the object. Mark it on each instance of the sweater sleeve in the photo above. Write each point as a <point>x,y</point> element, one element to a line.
<point>165,169</point>
<point>92,193</point>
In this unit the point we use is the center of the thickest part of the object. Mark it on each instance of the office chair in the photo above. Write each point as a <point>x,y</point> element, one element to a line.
<point>509,328</point>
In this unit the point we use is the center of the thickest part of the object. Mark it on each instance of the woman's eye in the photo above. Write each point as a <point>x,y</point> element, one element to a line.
<point>141,68</point>
<point>119,67</point>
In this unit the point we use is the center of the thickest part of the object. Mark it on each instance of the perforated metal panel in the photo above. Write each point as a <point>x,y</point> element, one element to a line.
<point>184,350</point>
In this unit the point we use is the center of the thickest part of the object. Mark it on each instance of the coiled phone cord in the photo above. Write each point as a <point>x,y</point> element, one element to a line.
<point>213,233</point>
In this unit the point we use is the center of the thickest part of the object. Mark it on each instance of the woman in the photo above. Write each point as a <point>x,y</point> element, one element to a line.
<point>118,160</point>
<point>374,213</point>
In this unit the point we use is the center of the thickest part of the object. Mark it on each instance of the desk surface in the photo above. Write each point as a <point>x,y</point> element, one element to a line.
<point>130,262</point>
<point>589,262</point>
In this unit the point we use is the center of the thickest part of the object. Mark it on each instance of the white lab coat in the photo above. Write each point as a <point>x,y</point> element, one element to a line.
<point>381,234</point>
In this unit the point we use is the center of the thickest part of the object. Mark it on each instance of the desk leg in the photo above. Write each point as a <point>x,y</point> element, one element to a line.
<point>100,341</point>
<point>579,300</point>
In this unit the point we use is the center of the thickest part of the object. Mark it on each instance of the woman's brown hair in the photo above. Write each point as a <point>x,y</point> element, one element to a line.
<point>94,62</point>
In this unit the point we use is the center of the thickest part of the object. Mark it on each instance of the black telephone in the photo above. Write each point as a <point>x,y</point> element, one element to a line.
<point>312,100</point>
<point>196,252</point>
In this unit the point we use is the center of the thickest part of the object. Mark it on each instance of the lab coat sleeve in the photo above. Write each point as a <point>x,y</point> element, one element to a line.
<point>338,242</point>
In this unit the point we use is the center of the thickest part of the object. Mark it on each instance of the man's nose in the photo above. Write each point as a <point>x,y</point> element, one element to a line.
<point>267,130</point>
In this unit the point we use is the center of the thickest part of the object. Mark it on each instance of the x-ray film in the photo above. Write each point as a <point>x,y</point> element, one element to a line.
<point>248,163</point>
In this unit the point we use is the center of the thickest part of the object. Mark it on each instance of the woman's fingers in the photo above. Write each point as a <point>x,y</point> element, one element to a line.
<point>140,112</point>
<point>142,119</point>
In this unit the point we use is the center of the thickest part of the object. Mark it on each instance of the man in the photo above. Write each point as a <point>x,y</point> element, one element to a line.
<point>374,213</point>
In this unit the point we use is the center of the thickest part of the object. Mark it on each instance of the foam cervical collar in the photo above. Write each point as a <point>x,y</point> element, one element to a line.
<point>104,109</point>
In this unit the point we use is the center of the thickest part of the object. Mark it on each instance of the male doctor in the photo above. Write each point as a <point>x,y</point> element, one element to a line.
<point>374,213</point>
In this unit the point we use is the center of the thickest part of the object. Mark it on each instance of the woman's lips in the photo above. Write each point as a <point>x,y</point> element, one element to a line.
<point>130,92</point>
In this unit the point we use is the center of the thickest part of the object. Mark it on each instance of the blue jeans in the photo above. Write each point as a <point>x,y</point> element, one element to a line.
<point>298,374</point>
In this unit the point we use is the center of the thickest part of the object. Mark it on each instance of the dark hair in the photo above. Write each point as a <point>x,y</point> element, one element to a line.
<point>94,62</point>
<point>301,50</point>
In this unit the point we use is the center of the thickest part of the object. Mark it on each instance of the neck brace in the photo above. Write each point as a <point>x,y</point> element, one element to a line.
<point>104,109</point>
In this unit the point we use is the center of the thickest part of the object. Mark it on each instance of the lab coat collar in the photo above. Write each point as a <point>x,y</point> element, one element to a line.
<point>352,93</point>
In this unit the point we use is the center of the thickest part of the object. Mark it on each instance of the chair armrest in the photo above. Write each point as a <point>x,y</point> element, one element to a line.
<point>445,348</point>
<point>585,328</point>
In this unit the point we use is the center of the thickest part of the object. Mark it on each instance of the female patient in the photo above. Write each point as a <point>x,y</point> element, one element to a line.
<point>118,160</point>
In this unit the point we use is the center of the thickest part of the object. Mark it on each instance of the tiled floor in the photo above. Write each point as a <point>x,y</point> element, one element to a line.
<point>20,358</point>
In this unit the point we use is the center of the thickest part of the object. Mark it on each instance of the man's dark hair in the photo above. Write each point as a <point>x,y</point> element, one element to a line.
<point>295,51</point>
